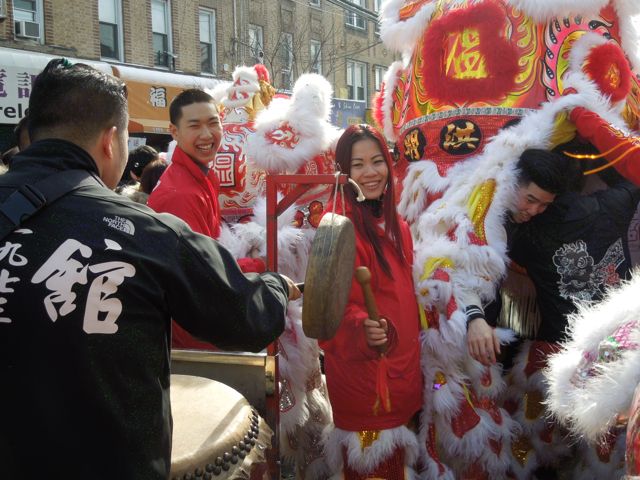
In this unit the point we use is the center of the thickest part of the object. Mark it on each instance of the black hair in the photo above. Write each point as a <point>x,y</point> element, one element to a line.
<point>75,100</point>
<point>140,157</point>
<point>544,168</point>
<point>184,98</point>
<point>151,174</point>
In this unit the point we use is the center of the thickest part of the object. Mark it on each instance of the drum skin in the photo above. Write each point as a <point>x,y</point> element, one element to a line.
<point>215,430</point>
<point>328,278</point>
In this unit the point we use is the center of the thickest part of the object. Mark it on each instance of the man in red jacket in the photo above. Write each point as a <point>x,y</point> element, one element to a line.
<point>189,187</point>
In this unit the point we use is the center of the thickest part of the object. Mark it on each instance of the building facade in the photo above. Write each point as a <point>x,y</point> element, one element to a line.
<point>161,46</point>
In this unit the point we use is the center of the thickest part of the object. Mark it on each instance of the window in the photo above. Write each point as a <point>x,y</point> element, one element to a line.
<point>314,3</point>
<point>256,42</point>
<point>378,73</point>
<point>377,6</point>
<point>28,18</point>
<point>315,57</point>
<point>286,59</point>
<point>354,19</point>
<point>161,27</point>
<point>110,16</point>
<point>207,41</point>
<point>356,80</point>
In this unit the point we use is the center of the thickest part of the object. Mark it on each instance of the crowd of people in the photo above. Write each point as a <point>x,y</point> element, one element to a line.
<point>97,287</point>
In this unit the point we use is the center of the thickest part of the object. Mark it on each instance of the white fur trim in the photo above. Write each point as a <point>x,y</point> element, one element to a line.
<point>219,92</point>
<point>307,114</point>
<point>245,90</point>
<point>589,409</point>
<point>629,17</point>
<point>545,10</point>
<point>390,81</point>
<point>403,36</point>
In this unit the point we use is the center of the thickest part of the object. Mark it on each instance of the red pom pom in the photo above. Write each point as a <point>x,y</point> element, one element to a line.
<point>608,67</point>
<point>263,73</point>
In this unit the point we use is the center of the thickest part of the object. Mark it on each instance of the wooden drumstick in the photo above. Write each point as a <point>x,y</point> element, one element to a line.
<point>363,276</point>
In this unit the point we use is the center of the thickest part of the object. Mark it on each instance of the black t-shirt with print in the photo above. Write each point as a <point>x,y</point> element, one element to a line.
<point>574,251</point>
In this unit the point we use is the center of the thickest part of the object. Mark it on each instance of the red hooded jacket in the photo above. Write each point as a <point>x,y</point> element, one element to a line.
<point>351,365</point>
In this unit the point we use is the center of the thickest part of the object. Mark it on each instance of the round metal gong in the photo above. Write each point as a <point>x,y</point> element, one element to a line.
<point>328,278</point>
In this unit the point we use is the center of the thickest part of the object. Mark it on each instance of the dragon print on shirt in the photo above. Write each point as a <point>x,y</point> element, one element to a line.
<point>580,277</point>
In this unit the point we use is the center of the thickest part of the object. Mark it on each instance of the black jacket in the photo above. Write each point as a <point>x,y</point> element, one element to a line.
<point>574,251</point>
<point>88,287</point>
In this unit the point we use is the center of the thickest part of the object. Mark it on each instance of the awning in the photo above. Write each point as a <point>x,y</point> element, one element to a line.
<point>151,93</point>
<point>147,125</point>
<point>18,70</point>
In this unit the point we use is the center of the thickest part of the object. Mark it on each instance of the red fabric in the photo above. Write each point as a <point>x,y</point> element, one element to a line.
<point>351,366</point>
<point>609,68</point>
<point>392,468</point>
<point>186,192</point>
<point>255,265</point>
<point>499,55</point>
<point>606,138</point>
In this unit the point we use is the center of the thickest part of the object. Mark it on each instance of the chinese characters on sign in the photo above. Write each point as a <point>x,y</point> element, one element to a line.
<point>158,97</point>
<point>15,90</point>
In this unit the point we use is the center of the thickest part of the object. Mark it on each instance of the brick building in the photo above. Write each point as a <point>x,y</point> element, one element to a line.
<point>161,46</point>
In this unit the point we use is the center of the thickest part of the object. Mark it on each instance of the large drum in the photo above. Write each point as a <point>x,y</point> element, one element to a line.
<point>216,433</point>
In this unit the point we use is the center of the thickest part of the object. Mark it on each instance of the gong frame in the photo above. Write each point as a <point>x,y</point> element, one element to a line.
<point>275,208</point>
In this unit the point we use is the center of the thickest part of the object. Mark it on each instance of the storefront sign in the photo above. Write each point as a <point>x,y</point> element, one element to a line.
<point>347,112</point>
<point>15,89</point>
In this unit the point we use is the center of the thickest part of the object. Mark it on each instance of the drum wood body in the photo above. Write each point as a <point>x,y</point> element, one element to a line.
<point>215,430</point>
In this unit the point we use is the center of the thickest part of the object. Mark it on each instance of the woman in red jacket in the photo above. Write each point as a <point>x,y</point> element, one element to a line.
<point>374,396</point>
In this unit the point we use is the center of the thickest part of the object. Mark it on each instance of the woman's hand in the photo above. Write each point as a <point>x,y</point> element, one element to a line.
<point>376,332</point>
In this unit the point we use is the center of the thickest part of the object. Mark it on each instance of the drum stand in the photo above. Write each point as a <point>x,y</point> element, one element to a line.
<point>274,209</point>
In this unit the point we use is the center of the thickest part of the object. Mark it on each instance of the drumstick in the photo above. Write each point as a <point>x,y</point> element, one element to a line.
<point>363,276</point>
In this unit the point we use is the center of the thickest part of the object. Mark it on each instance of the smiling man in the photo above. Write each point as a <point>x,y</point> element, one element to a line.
<point>189,188</point>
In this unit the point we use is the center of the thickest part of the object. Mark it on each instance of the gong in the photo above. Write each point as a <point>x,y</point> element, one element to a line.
<point>328,277</point>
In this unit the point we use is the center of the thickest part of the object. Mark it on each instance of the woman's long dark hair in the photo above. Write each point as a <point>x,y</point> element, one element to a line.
<point>363,218</point>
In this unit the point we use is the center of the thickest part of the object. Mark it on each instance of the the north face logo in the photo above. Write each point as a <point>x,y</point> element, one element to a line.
<point>120,223</point>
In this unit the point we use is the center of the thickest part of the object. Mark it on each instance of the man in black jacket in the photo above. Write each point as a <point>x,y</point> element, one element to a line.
<point>88,287</point>
<point>576,249</point>
<point>540,178</point>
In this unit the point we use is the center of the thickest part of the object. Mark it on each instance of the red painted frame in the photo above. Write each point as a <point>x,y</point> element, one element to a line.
<point>303,183</point>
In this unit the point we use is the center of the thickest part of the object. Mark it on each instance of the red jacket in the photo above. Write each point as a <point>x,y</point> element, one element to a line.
<point>351,365</point>
<point>608,139</point>
<point>186,192</point>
